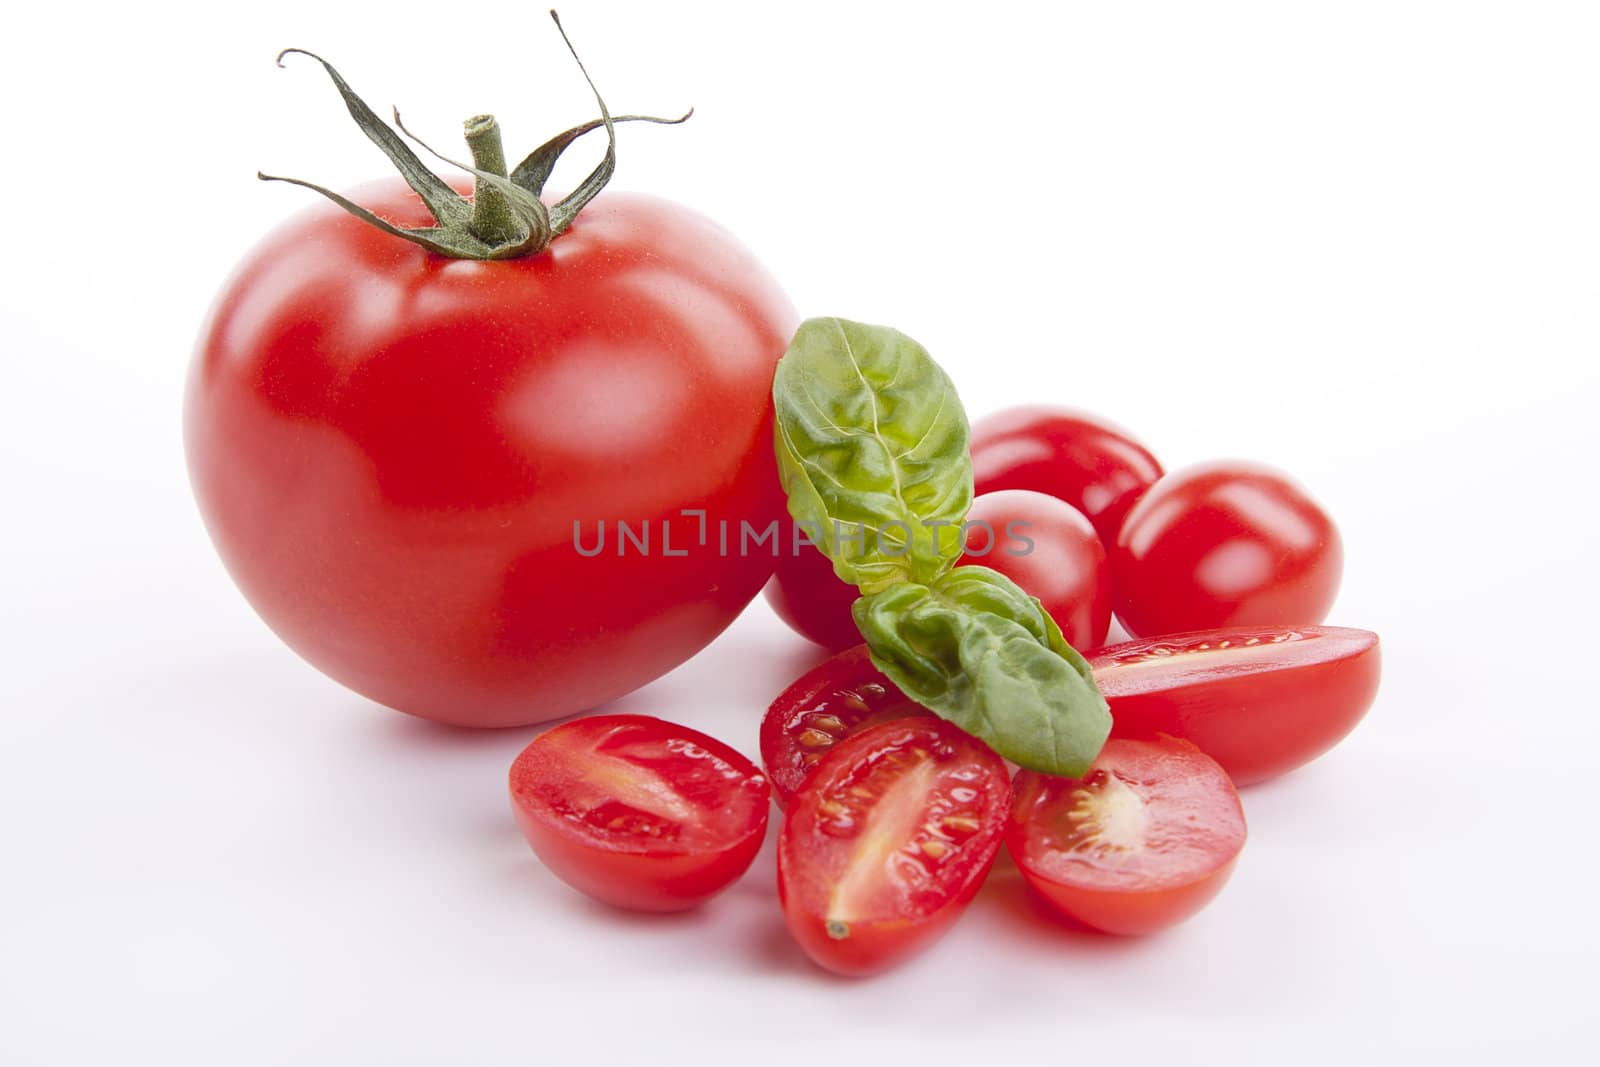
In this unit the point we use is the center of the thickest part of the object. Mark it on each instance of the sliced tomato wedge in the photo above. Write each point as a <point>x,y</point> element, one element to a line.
<point>1143,841</point>
<point>639,812</point>
<point>1259,701</point>
<point>888,840</point>
<point>828,703</point>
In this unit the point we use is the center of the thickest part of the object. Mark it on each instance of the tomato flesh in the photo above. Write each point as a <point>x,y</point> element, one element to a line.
<point>1224,544</point>
<point>888,841</point>
<point>638,812</point>
<point>838,697</point>
<point>1144,840</point>
<point>1092,465</point>
<point>1260,701</point>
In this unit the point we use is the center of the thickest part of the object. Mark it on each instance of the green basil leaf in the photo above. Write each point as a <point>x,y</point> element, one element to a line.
<point>979,651</point>
<point>872,448</point>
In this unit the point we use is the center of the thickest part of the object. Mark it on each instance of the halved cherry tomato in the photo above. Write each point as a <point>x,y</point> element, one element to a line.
<point>833,700</point>
<point>1224,544</point>
<point>1092,465</point>
<point>1047,547</point>
<point>1260,701</point>
<point>888,841</point>
<point>1143,841</point>
<point>638,812</point>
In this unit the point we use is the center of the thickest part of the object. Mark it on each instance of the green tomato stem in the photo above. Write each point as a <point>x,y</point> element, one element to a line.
<point>494,220</point>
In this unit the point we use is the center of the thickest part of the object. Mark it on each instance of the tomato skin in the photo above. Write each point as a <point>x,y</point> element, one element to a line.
<point>1064,564</point>
<point>390,450</point>
<point>812,600</point>
<point>1259,709</point>
<point>639,872</point>
<point>1149,868</point>
<point>1053,553</point>
<point>1092,465</point>
<point>1225,544</point>
<point>836,698</point>
<point>884,921</point>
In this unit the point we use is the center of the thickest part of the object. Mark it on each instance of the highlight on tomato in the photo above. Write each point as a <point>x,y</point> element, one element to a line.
<point>888,841</point>
<point>1143,841</point>
<point>1226,543</point>
<point>638,812</point>
<point>1079,458</point>
<point>1259,700</point>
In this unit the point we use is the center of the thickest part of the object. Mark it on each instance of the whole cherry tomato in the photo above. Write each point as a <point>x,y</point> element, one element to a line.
<point>1043,544</point>
<point>1047,547</point>
<point>399,455</point>
<point>888,841</point>
<point>638,812</point>
<point>1224,544</point>
<point>1090,464</point>
<point>1143,841</point>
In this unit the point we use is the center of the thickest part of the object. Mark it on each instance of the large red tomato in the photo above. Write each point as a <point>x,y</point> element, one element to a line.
<point>398,454</point>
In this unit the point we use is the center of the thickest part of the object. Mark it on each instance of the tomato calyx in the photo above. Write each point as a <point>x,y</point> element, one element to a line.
<point>505,218</point>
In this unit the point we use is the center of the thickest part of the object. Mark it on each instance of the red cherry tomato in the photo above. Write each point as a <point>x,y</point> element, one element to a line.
<point>1224,544</point>
<point>638,812</point>
<point>1143,841</point>
<point>1092,465</point>
<point>888,841</point>
<point>1258,701</point>
<point>808,596</point>
<point>1047,547</point>
<point>1041,543</point>
<point>828,703</point>
<point>391,450</point>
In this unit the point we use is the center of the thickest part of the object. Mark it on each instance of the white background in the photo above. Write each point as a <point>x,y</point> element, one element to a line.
<point>1357,240</point>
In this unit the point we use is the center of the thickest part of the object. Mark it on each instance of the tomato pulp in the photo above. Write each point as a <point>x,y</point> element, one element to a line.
<point>1260,701</point>
<point>638,812</point>
<point>399,455</point>
<point>833,700</point>
<point>1224,544</point>
<point>888,841</point>
<point>1144,840</point>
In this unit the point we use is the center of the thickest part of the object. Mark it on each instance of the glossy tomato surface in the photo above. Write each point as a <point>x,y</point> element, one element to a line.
<point>638,812</point>
<point>1144,840</point>
<point>888,841</point>
<point>1040,542</point>
<point>1225,544</point>
<point>1091,464</point>
<point>1260,701</point>
<point>1048,548</point>
<point>806,594</point>
<point>838,697</point>
<point>399,455</point>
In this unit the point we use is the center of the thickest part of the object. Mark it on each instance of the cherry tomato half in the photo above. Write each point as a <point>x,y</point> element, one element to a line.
<point>638,812</point>
<point>888,841</point>
<point>1224,544</point>
<point>1040,542</point>
<point>1047,547</point>
<point>834,699</point>
<point>1093,466</point>
<point>1143,841</point>
<point>1258,701</point>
